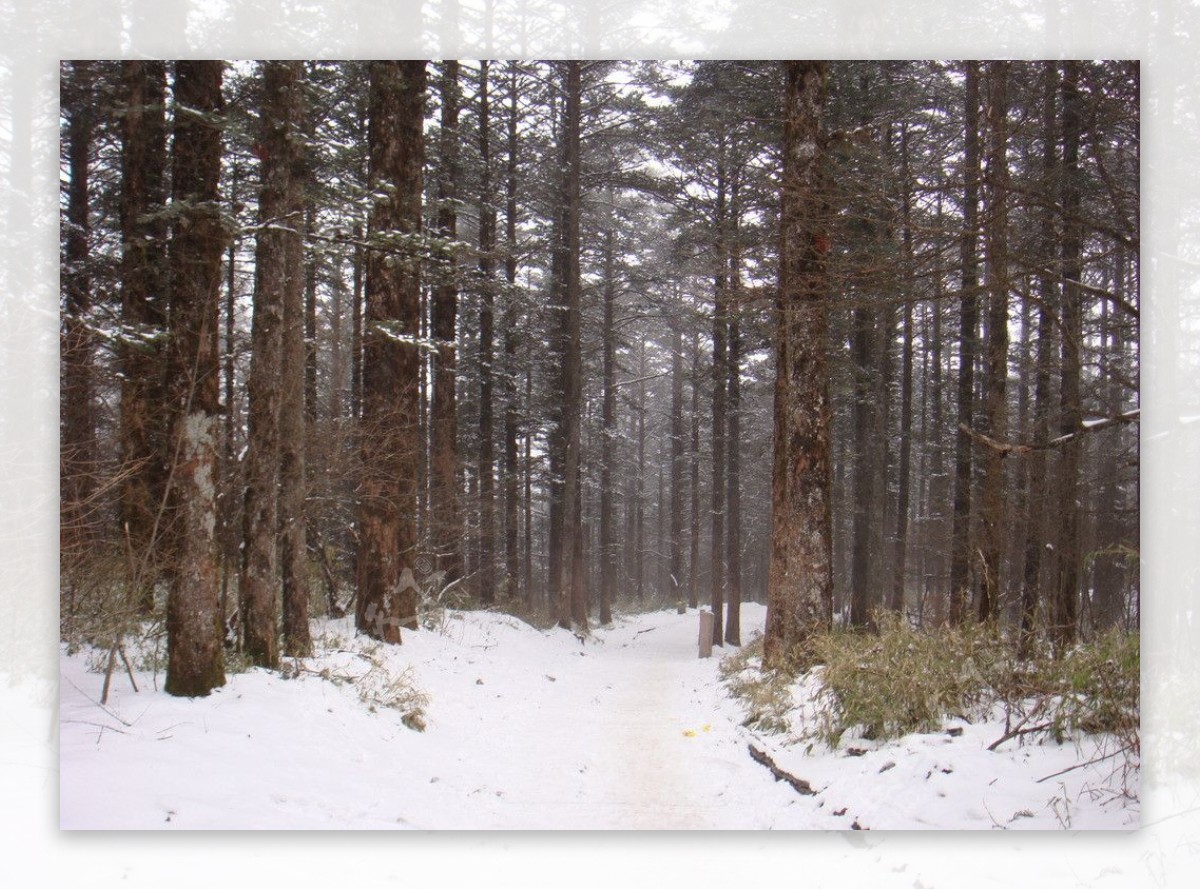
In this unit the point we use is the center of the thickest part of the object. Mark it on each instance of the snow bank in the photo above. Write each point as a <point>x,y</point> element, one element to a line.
<point>526,729</point>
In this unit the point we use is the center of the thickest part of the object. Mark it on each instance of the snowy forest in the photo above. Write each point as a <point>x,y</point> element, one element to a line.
<point>374,370</point>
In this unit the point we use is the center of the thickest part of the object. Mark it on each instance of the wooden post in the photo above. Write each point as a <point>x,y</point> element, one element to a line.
<point>706,633</point>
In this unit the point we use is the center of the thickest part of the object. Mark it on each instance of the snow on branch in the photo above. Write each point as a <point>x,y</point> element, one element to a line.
<point>1088,426</point>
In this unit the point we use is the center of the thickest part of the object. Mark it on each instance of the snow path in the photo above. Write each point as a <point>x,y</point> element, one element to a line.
<point>627,729</point>
<point>642,725</point>
<point>629,721</point>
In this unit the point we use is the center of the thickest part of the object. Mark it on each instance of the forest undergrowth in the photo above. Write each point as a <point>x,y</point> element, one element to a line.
<point>852,686</point>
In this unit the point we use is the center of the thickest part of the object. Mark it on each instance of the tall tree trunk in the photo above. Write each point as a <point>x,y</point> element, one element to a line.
<point>337,359</point>
<point>230,530</point>
<point>487,303</point>
<point>694,482</point>
<point>879,457</point>
<point>423,413</point>
<point>297,404</point>
<point>572,599</point>
<point>527,497</point>
<point>800,584</point>
<point>1109,567</point>
<point>556,436</point>
<point>938,483</point>
<point>281,211</point>
<point>608,434</point>
<point>677,508</point>
<point>444,488</point>
<point>720,374</point>
<point>960,548</point>
<point>733,531</point>
<point>991,516</point>
<point>1066,607</point>
<point>660,524</point>
<point>512,564</point>
<point>639,491</point>
<point>900,563</point>
<point>870,342</point>
<point>78,452</point>
<point>864,409</point>
<point>311,263</point>
<point>387,593</point>
<point>143,295</point>
<point>356,327</point>
<point>195,663</point>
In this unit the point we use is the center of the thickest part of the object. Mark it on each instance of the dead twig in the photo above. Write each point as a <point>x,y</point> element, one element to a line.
<point>1094,760</point>
<point>98,704</point>
<point>1020,729</point>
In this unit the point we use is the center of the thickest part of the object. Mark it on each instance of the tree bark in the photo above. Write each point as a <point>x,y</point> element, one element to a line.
<point>194,624</point>
<point>638,532</point>
<point>677,490</point>
<point>733,531</point>
<point>311,263</point>
<point>1066,606</point>
<point>992,534</point>
<point>572,599</point>
<point>387,592</point>
<point>512,563</point>
<point>356,325</point>
<point>230,517</point>
<point>444,488</point>
<point>608,434</point>
<point>720,374</point>
<point>487,303</point>
<point>281,213</point>
<point>140,354</point>
<point>527,495</point>
<point>900,563</point>
<point>694,482</point>
<point>800,583</point>
<point>78,452</point>
<point>297,405</point>
<point>864,408</point>
<point>556,435</point>
<point>961,549</point>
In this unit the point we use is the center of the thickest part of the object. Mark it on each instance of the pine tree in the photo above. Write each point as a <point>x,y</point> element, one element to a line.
<point>961,546</point>
<point>140,352</point>
<point>195,664</point>
<point>800,591</point>
<point>387,593</point>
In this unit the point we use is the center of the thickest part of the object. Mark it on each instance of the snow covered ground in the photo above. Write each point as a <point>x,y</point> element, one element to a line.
<point>529,729</point>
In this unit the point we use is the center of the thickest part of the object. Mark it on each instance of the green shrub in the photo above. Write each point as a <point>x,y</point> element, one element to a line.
<point>901,680</point>
<point>1097,687</point>
<point>885,684</point>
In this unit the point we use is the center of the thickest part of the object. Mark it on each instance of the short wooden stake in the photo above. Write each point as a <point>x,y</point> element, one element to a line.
<point>706,633</point>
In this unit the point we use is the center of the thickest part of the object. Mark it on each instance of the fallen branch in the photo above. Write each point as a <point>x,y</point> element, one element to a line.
<point>1015,733</point>
<point>1092,426</point>
<point>1020,729</point>
<point>801,786</point>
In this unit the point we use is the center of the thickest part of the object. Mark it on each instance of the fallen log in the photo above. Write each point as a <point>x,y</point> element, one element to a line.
<point>801,786</point>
